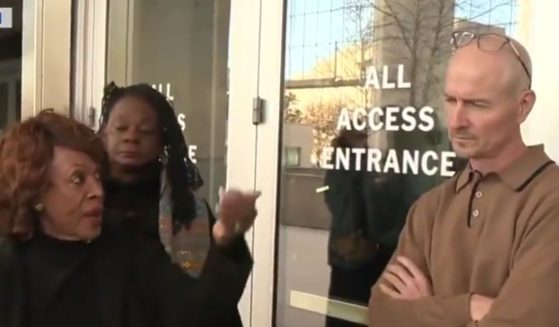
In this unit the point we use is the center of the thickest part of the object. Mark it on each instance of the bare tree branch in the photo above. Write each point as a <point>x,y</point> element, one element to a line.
<point>400,25</point>
<point>420,26</point>
<point>382,11</point>
<point>404,9</point>
<point>481,14</point>
<point>434,49</point>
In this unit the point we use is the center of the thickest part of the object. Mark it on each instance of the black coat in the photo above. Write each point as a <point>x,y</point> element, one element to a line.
<point>138,286</point>
<point>133,208</point>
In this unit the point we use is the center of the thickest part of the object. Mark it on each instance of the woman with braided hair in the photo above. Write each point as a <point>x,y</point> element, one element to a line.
<point>152,183</point>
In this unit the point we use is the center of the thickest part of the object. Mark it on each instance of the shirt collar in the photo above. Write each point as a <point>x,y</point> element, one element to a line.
<point>517,174</point>
<point>464,178</point>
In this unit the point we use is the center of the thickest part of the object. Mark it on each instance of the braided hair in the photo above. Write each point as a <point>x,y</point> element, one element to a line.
<point>182,174</point>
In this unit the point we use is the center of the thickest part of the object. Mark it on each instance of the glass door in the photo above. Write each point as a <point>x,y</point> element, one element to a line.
<point>362,137</point>
<point>11,13</point>
<point>202,55</point>
<point>181,49</point>
<point>34,58</point>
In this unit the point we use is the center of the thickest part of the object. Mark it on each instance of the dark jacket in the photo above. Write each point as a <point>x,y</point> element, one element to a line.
<point>138,286</point>
<point>368,212</point>
<point>133,208</point>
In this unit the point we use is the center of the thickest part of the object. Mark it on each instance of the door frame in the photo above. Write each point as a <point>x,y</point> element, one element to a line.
<point>268,160</point>
<point>46,49</point>
<point>89,52</point>
<point>242,134</point>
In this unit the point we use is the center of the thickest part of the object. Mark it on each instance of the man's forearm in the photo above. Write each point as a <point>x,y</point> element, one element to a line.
<point>451,311</point>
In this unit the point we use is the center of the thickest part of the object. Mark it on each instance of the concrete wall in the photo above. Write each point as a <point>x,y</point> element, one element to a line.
<point>538,26</point>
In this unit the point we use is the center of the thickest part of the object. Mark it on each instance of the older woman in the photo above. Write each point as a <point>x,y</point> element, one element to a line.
<point>58,268</point>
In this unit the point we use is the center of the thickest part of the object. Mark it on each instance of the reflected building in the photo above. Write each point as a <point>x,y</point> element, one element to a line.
<point>338,82</point>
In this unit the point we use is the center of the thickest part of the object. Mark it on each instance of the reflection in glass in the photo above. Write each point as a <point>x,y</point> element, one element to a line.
<point>363,87</point>
<point>10,64</point>
<point>180,48</point>
<point>368,211</point>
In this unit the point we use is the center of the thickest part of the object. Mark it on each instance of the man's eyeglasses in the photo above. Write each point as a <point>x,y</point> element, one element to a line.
<point>490,42</point>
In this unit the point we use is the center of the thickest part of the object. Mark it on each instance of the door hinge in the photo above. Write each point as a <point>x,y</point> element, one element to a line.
<point>257,110</point>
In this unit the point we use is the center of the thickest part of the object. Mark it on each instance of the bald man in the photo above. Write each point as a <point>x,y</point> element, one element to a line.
<point>482,249</point>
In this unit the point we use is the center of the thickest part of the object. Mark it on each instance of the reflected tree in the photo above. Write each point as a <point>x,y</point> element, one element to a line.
<point>414,33</point>
<point>321,116</point>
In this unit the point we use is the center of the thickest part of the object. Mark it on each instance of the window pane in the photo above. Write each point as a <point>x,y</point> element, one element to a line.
<point>363,93</point>
<point>10,61</point>
<point>179,47</point>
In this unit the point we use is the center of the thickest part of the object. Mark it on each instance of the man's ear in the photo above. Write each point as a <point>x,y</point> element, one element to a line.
<point>527,101</point>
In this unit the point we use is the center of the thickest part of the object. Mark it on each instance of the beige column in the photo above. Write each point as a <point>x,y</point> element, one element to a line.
<point>47,27</point>
<point>538,26</point>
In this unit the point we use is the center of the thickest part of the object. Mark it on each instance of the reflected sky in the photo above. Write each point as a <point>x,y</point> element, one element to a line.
<point>316,29</point>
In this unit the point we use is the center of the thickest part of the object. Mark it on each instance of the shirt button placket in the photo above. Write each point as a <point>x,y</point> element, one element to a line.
<point>475,213</point>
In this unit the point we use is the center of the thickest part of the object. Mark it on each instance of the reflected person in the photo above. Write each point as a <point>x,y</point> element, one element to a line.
<point>367,215</point>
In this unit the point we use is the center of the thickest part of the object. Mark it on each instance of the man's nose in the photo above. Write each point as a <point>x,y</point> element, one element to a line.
<point>458,118</point>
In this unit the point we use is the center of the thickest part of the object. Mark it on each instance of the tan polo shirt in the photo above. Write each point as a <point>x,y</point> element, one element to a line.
<point>496,235</point>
